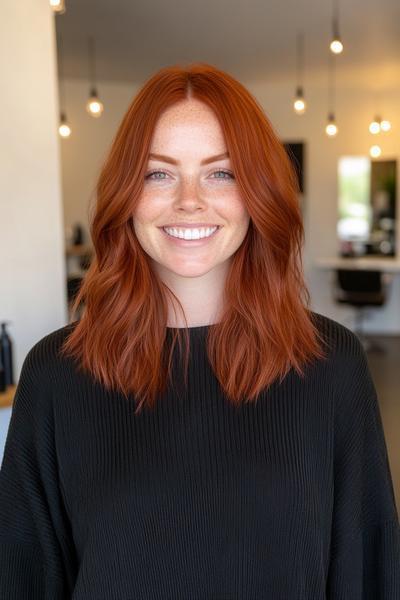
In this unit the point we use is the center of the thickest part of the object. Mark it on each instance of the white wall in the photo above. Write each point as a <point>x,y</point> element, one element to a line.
<point>32,264</point>
<point>355,108</point>
<point>83,153</point>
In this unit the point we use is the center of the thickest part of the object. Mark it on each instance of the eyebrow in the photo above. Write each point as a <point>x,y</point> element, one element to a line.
<point>171,160</point>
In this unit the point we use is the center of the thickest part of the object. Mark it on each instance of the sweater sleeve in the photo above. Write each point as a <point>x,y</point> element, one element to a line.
<point>37,559</point>
<point>365,540</point>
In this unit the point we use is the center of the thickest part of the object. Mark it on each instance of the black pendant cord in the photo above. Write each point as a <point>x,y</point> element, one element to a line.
<point>335,19</point>
<point>61,79</point>
<point>299,60</point>
<point>92,68</point>
<point>332,90</point>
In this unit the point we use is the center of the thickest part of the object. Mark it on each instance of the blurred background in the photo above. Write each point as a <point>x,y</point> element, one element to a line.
<point>327,74</point>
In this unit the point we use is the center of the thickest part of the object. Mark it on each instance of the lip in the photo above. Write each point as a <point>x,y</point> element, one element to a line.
<point>191,225</point>
<point>191,243</point>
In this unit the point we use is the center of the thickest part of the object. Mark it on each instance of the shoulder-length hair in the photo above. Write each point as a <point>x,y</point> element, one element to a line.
<point>267,327</point>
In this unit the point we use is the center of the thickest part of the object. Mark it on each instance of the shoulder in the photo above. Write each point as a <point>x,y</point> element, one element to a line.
<point>33,395</point>
<point>340,340</point>
<point>348,367</point>
<point>44,356</point>
<point>346,358</point>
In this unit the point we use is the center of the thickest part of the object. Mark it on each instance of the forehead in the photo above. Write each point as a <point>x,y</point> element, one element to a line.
<point>185,125</point>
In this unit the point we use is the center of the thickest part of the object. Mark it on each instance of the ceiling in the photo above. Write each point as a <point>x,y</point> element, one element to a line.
<point>254,40</point>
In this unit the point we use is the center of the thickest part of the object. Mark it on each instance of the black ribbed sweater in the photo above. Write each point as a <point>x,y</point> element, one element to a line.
<point>290,498</point>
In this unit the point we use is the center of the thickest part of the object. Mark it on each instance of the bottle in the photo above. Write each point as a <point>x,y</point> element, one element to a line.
<point>2,377</point>
<point>6,352</point>
<point>78,237</point>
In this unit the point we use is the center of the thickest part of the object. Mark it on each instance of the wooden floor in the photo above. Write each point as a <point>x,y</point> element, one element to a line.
<point>385,368</point>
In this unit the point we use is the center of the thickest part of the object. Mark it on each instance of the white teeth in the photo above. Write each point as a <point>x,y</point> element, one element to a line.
<point>190,234</point>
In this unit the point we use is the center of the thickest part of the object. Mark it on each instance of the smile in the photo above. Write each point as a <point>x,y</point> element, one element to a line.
<point>190,234</point>
<point>190,237</point>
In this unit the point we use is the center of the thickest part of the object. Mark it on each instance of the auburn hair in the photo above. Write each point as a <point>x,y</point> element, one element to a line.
<point>267,327</point>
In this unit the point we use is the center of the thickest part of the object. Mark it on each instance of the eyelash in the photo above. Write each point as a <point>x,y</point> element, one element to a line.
<point>162,179</point>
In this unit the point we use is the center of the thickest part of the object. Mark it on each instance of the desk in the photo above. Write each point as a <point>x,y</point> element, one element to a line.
<point>365,263</point>
<point>79,250</point>
<point>7,397</point>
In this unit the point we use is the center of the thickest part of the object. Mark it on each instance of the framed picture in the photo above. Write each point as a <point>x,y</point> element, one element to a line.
<point>296,151</point>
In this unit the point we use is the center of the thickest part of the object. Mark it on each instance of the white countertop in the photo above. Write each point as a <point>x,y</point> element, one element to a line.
<point>368,263</point>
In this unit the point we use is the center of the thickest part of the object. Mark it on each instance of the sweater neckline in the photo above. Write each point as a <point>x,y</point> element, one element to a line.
<point>196,328</point>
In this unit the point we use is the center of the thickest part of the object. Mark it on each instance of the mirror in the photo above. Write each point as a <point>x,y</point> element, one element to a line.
<point>367,206</point>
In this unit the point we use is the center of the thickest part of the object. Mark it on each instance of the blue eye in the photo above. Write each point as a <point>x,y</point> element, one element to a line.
<point>225,172</point>
<point>155,173</point>
<point>150,175</point>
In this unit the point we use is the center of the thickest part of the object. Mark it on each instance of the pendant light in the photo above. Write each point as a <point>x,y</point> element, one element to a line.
<point>336,44</point>
<point>375,151</point>
<point>378,125</point>
<point>93,106</point>
<point>375,126</point>
<point>64,128</point>
<point>331,128</point>
<point>299,103</point>
<point>385,125</point>
<point>58,6</point>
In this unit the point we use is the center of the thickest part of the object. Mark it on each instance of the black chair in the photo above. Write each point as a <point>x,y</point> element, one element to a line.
<point>73,284</point>
<point>361,289</point>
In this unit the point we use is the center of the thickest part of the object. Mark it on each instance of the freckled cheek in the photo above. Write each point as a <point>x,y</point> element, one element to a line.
<point>236,210</point>
<point>148,210</point>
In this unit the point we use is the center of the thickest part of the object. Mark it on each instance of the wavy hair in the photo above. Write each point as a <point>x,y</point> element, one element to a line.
<point>267,327</point>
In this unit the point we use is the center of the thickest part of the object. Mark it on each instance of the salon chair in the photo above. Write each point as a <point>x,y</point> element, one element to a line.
<point>361,289</point>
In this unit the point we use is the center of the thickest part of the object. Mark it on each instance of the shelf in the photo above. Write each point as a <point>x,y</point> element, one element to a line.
<point>388,264</point>
<point>79,250</point>
<point>7,397</point>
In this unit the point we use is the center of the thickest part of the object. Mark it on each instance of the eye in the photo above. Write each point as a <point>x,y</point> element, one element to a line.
<point>225,173</point>
<point>149,176</point>
<point>159,172</point>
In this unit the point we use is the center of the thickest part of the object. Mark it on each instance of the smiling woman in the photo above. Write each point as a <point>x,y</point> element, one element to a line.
<point>257,470</point>
<point>195,150</point>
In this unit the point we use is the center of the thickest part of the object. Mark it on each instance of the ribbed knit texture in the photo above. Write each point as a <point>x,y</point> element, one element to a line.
<point>290,498</point>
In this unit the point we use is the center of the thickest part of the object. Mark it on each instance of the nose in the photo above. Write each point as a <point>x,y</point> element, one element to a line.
<point>189,195</point>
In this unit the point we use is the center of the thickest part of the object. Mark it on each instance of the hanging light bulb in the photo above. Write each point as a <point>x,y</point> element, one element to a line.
<point>374,126</point>
<point>64,129</point>
<point>299,103</point>
<point>94,106</point>
<point>331,128</point>
<point>375,151</point>
<point>385,125</point>
<point>58,6</point>
<point>336,44</point>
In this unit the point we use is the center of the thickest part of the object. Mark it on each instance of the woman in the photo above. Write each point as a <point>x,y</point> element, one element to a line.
<point>253,465</point>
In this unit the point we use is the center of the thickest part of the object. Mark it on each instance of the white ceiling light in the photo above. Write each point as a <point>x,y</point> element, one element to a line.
<point>58,6</point>
<point>299,103</point>
<point>336,44</point>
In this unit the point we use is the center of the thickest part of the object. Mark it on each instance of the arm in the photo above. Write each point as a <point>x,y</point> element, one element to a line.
<point>365,542</point>
<point>37,559</point>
